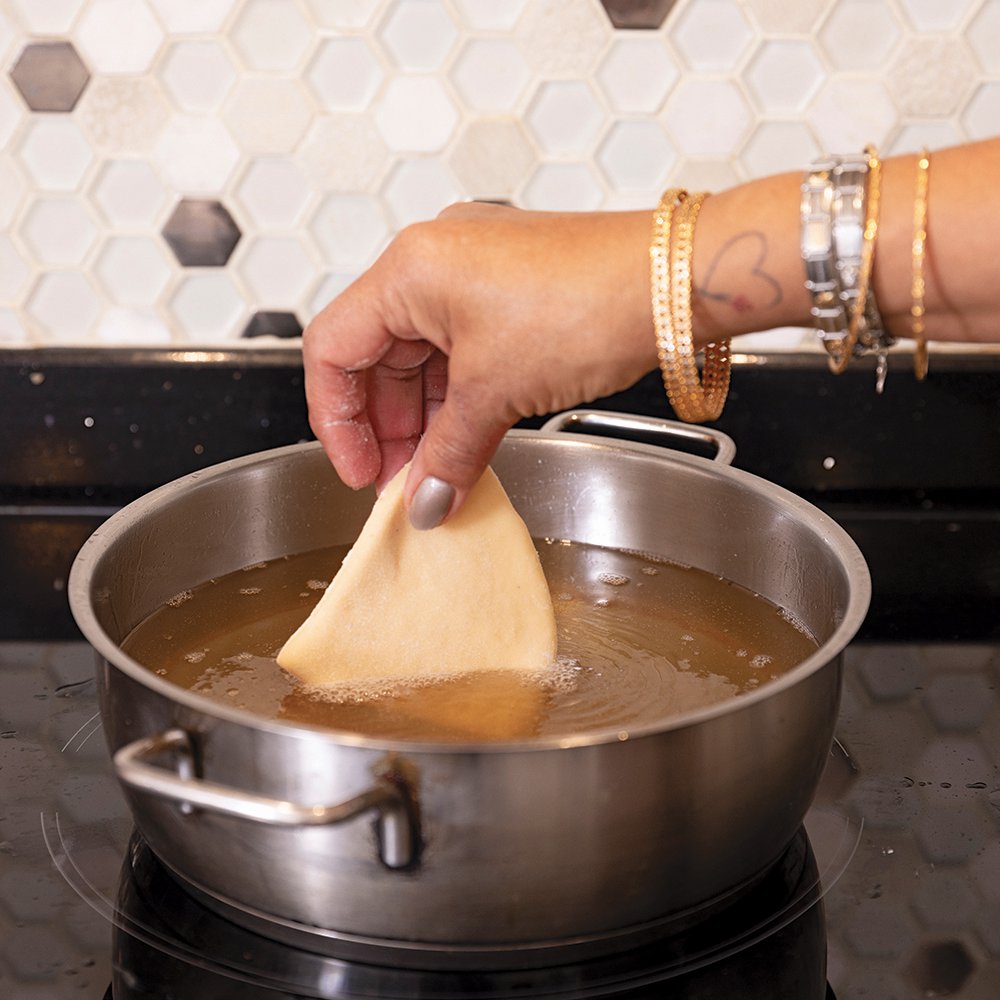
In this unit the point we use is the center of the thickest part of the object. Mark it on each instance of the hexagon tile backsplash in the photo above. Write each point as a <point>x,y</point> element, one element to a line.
<point>190,172</point>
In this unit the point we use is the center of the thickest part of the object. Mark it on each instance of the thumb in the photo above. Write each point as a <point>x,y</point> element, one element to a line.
<point>455,449</point>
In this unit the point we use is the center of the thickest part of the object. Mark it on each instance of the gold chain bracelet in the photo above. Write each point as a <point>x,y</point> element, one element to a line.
<point>694,398</point>
<point>918,285</point>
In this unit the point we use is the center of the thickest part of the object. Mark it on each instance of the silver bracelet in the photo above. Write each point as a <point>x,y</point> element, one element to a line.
<point>832,210</point>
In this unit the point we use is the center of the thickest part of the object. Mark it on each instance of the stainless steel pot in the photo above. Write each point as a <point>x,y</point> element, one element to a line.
<point>482,848</point>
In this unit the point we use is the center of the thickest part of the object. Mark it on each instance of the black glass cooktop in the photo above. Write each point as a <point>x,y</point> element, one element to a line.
<point>902,847</point>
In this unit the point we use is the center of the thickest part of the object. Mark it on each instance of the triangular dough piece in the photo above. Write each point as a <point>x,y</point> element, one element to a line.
<point>408,604</point>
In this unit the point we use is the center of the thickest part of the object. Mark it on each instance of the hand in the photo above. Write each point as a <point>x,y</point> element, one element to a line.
<point>465,325</point>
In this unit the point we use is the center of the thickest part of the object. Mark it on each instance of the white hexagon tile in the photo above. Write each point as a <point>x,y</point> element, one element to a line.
<point>173,170</point>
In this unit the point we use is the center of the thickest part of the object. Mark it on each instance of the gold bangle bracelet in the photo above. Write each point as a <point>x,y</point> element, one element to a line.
<point>918,285</point>
<point>693,398</point>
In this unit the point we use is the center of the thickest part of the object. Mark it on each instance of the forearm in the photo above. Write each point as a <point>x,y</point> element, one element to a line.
<point>748,275</point>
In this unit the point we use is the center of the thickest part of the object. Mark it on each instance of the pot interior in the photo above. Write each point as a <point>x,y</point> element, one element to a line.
<point>635,500</point>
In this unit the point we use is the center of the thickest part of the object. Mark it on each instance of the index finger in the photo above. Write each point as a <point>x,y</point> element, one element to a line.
<point>344,340</point>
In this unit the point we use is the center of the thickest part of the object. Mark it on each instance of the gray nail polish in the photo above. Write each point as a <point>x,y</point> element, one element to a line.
<point>431,503</point>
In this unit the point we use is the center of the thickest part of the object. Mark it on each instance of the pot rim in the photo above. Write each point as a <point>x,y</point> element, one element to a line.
<point>832,534</point>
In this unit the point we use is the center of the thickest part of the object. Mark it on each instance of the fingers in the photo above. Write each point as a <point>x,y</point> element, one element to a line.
<point>396,390</point>
<point>364,387</point>
<point>458,444</point>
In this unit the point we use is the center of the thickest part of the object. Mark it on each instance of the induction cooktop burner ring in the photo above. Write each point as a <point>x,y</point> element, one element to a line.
<point>79,852</point>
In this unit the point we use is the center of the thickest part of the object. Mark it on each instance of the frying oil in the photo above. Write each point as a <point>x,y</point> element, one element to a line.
<point>640,640</point>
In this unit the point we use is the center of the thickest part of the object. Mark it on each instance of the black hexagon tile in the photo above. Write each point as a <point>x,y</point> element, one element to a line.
<point>273,324</point>
<point>637,13</point>
<point>201,233</point>
<point>50,76</point>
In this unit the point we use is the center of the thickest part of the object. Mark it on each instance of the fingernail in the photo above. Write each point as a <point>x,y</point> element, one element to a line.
<point>431,503</point>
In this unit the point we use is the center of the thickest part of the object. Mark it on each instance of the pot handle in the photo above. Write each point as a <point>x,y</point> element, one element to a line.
<point>389,796</point>
<point>656,430</point>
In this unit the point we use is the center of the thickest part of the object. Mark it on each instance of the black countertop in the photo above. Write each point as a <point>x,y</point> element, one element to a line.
<point>914,475</point>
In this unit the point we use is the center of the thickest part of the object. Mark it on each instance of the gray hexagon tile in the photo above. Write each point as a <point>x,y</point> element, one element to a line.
<point>284,325</point>
<point>201,233</point>
<point>645,14</point>
<point>50,76</point>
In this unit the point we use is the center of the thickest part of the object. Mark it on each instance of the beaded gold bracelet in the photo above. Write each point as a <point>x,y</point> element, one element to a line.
<point>918,285</point>
<point>694,398</point>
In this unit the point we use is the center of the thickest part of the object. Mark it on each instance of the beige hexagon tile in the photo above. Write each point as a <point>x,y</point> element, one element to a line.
<point>931,77</point>
<point>268,114</point>
<point>123,115</point>
<point>491,159</point>
<point>343,152</point>
<point>563,37</point>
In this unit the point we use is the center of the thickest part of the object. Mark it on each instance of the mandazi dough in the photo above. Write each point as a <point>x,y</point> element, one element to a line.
<point>410,605</point>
